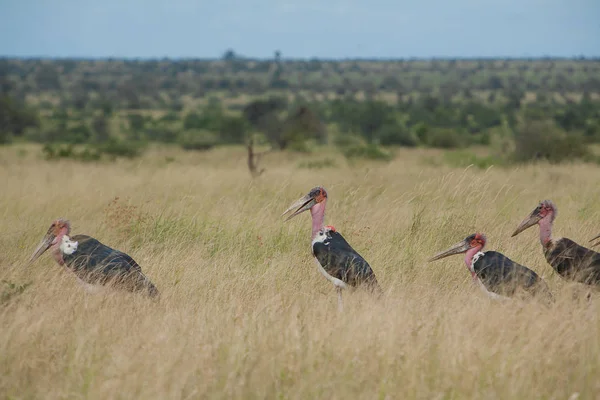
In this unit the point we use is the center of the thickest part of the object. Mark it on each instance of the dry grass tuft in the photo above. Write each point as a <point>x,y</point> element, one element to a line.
<point>245,314</point>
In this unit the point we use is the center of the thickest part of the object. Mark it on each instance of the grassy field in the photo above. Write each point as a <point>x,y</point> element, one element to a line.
<point>244,313</point>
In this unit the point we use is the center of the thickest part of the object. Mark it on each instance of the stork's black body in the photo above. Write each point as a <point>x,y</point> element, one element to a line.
<point>502,276</point>
<point>573,261</point>
<point>93,262</point>
<point>497,275</point>
<point>340,261</point>
<point>97,264</point>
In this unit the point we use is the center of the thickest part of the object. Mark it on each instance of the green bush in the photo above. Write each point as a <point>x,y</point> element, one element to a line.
<point>592,131</point>
<point>161,134</point>
<point>57,134</point>
<point>197,140</point>
<point>233,129</point>
<point>78,134</point>
<point>113,148</point>
<point>543,140</point>
<point>397,135</point>
<point>5,137</point>
<point>367,151</point>
<point>53,152</point>
<point>121,148</point>
<point>444,138</point>
<point>342,140</point>
<point>15,117</point>
<point>421,130</point>
<point>355,147</point>
<point>171,116</point>
<point>88,155</point>
<point>137,122</point>
<point>35,135</point>
<point>318,164</point>
<point>299,146</point>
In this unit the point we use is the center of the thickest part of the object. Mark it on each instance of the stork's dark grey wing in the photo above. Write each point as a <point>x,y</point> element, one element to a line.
<point>501,275</point>
<point>96,263</point>
<point>341,261</point>
<point>573,261</point>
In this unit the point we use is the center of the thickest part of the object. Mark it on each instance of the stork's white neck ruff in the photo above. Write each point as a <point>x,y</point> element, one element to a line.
<point>319,237</point>
<point>476,257</point>
<point>68,246</point>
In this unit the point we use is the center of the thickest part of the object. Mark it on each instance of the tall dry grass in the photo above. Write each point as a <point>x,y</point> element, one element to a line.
<point>244,313</point>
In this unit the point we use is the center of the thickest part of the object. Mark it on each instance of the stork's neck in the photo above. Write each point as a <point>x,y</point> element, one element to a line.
<point>318,217</point>
<point>469,258</point>
<point>546,230</point>
<point>58,255</point>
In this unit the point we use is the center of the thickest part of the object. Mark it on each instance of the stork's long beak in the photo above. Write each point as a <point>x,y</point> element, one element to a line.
<point>302,204</point>
<point>42,247</point>
<point>528,222</point>
<point>458,248</point>
<point>596,238</point>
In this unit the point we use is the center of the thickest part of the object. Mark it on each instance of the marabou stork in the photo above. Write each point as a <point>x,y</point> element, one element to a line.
<point>336,259</point>
<point>497,275</point>
<point>569,259</point>
<point>93,263</point>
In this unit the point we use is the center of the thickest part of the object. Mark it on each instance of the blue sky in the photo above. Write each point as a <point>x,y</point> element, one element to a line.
<point>300,28</point>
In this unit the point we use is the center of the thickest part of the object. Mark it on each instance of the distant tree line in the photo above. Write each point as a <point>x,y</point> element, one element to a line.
<point>118,106</point>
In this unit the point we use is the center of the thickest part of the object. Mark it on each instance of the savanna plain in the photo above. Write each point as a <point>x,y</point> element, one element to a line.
<point>244,312</point>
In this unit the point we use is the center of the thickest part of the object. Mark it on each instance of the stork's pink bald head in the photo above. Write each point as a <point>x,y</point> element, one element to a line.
<point>543,215</point>
<point>53,237</point>
<point>471,244</point>
<point>60,227</point>
<point>314,201</point>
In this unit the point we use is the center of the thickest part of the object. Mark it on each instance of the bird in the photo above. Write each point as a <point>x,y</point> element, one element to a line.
<point>335,258</point>
<point>497,275</point>
<point>572,261</point>
<point>93,263</point>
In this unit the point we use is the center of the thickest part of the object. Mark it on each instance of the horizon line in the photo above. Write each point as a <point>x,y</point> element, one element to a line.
<point>299,59</point>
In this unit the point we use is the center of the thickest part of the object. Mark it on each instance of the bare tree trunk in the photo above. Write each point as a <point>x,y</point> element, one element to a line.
<point>254,159</point>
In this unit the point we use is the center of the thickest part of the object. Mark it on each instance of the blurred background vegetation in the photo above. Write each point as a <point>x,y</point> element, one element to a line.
<point>519,110</point>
